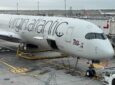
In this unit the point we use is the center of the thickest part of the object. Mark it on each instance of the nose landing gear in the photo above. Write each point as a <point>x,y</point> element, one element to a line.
<point>91,71</point>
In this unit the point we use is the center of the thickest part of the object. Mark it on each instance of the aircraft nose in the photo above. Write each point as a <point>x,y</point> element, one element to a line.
<point>109,53</point>
<point>105,49</point>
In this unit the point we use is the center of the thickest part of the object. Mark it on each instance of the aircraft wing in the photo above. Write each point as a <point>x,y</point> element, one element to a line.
<point>9,36</point>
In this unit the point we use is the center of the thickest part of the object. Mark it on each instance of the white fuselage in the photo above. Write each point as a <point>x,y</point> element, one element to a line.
<point>67,35</point>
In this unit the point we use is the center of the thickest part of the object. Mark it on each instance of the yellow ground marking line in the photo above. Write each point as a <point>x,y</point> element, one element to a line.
<point>34,57</point>
<point>98,66</point>
<point>20,70</point>
<point>15,69</point>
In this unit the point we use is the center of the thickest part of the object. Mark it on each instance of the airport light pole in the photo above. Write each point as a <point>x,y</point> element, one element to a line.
<point>65,7</point>
<point>38,7</point>
<point>17,6</point>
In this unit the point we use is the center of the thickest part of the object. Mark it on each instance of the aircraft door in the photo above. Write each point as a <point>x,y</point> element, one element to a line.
<point>68,34</point>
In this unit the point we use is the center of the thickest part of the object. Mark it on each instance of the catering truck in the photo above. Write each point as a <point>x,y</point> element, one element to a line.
<point>108,76</point>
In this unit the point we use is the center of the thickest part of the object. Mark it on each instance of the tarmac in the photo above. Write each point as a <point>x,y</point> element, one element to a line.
<point>19,71</point>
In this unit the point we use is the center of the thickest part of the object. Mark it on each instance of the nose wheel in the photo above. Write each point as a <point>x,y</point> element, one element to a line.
<point>91,71</point>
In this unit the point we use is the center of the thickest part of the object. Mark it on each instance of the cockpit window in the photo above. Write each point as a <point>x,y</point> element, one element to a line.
<point>96,36</point>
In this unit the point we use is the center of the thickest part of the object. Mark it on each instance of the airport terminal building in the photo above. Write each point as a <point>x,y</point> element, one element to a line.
<point>70,13</point>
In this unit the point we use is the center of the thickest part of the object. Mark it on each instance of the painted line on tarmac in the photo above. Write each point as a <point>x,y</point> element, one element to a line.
<point>15,69</point>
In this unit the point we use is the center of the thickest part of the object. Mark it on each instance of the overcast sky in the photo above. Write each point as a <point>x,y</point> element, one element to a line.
<point>57,4</point>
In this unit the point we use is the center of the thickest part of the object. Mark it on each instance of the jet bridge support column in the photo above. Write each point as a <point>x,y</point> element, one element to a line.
<point>76,63</point>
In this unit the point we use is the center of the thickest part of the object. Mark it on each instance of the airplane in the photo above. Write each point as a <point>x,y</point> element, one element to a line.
<point>75,37</point>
